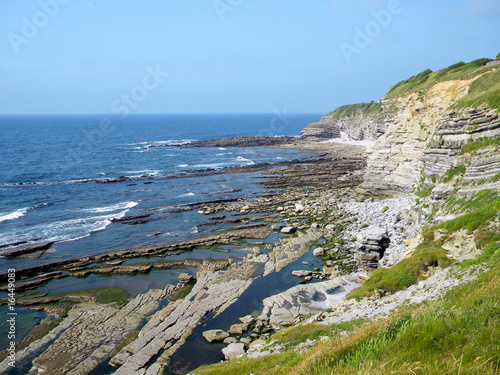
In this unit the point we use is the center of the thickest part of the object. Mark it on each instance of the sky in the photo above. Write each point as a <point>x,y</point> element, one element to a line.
<point>234,56</point>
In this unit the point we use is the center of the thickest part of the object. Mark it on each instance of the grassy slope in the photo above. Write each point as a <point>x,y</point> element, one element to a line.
<point>367,109</point>
<point>426,79</point>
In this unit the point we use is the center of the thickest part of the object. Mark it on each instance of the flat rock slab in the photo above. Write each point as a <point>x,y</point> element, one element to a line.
<point>285,308</point>
<point>26,250</point>
<point>215,335</point>
<point>94,333</point>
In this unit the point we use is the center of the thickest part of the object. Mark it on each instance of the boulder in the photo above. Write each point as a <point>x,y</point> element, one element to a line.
<point>301,273</point>
<point>233,351</point>
<point>238,329</point>
<point>372,244</point>
<point>331,227</point>
<point>289,230</point>
<point>299,207</point>
<point>215,335</point>
<point>229,340</point>
<point>248,319</point>
<point>185,278</point>
<point>276,227</point>
<point>319,251</point>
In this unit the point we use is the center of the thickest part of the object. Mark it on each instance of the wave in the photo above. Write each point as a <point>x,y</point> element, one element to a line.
<point>190,194</point>
<point>14,214</point>
<point>114,207</point>
<point>182,165</point>
<point>247,161</point>
<point>174,142</point>
<point>62,230</point>
<point>145,172</point>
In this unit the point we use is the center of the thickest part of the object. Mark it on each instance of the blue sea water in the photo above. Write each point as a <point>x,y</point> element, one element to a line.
<point>52,169</point>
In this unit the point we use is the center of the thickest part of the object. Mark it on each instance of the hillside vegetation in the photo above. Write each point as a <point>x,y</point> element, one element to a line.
<point>485,89</point>
<point>366,109</point>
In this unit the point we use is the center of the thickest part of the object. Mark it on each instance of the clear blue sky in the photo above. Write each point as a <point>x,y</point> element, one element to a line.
<point>228,55</point>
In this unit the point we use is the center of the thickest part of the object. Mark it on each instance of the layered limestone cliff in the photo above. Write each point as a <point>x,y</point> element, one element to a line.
<point>426,139</point>
<point>357,127</point>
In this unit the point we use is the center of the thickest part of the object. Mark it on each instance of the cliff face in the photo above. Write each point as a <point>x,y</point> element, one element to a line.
<point>357,127</point>
<point>425,140</point>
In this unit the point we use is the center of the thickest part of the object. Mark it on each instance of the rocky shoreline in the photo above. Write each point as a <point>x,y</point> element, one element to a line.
<point>219,283</point>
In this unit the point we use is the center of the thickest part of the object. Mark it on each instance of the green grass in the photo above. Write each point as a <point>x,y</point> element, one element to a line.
<point>405,273</point>
<point>452,172</point>
<point>102,295</point>
<point>371,109</point>
<point>423,81</point>
<point>467,204</point>
<point>424,192</point>
<point>473,220</point>
<point>472,146</point>
<point>485,89</point>
<point>182,292</point>
<point>293,336</point>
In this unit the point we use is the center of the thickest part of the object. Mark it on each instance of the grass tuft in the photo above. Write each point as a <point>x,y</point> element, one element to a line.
<point>405,273</point>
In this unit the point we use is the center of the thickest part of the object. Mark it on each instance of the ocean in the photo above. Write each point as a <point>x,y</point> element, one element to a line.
<point>65,178</point>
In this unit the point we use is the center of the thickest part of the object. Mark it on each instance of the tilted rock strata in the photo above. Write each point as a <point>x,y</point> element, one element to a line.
<point>171,326</point>
<point>95,332</point>
<point>396,161</point>
<point>350,128</point>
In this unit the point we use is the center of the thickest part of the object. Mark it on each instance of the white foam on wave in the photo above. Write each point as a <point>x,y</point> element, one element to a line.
<point>113,207</point>
<point>247,161</point>
<point>174,142</point>
<point>183,166</point>
<point>63,230</point>
<point>190,194</point>
<point>14,214</point>
<point>149,172</point>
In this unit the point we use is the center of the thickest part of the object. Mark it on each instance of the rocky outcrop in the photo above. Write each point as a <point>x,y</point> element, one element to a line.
<point>244,142</point>
<point>288,307</point>
<point>234,350</point>
<point>215,335</point>
<point>27,250</point>
<point>170,327</point>
<point>351,128</point>
<point>93,331</point>
<point>426,138</point>
<point>372,244</point>
<point>455,131</point>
